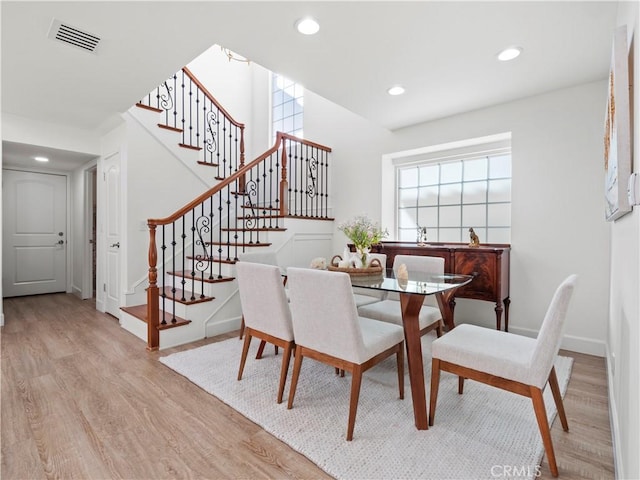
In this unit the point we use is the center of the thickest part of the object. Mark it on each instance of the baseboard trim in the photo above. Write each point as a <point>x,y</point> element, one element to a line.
<point>572,343</point>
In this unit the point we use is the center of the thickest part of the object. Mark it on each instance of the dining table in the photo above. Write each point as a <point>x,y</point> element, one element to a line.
<point>412,291</point>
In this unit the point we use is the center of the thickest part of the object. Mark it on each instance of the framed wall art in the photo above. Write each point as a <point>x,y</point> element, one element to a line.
<point>617,133</point>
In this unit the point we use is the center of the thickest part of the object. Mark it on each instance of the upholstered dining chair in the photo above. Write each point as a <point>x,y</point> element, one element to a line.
<point>267,257</point>
<point>389,310</point>
<point>511,362</point>
<point>364,296</point>
<point>328,329</point>
<point>266,313</point>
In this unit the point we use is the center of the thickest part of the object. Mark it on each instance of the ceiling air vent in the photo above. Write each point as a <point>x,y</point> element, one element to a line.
<point>73,36</point>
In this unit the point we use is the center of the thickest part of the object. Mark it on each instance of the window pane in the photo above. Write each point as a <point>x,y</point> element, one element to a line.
<point>451,194</point>
<point>475,192</point>
<point>449,235</point>
<point>407,218</point>
<point>277,113</point>
<point>428,196</point>
<point>498,235</point>
<point>408,177</point>
<point>427,217</point>
<point>288,109</point>
<point>500,167</point>
<point>475,169</point>
<point>499,190</point>
<point>407,235</point>
<point>451,172</point>
<point>449,216</point>
<point>278,98</point>
<point>499,215</point>
<point>407,197</point>
<point>474,215</point>
<point>430,175</point>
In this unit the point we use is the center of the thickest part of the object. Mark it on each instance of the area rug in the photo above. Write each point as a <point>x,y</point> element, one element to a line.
<point>485,433</point>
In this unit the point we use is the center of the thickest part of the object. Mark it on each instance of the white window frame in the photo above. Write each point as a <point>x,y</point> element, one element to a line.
<point>476,147</point>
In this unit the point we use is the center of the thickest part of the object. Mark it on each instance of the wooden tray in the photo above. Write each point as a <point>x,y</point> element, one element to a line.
<point>374,268</point>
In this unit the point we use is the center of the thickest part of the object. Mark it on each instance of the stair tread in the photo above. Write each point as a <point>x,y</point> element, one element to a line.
<point>261,229</point>
<point>169,127</point>
<point>265,209</point>
<point>190,147</point>
<point>180,293</point>
<point>198,277</point>
<point>148,107</point>
<point>208,164</point>
<point>240,244</point>
<point>140,312</point>
<point>259,217</point>
<point>210,260</point>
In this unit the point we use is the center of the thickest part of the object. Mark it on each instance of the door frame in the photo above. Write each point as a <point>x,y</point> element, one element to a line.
<point>89,188</point>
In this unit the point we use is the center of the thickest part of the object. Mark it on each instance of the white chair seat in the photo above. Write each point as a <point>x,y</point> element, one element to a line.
<point>378,337</point>
<point>364,299</point>
<point>389,311</point>
<point>486,349</point>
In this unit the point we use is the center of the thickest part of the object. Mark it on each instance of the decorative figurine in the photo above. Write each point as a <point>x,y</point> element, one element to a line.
<point>475,241</point>
<point>422,236</point>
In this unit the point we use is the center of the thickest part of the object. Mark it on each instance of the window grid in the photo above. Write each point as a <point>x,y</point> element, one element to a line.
<point>442,228</point>
<point>287,106</point>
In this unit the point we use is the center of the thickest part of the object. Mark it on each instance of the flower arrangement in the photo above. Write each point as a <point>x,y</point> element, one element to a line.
<point>363,233</point>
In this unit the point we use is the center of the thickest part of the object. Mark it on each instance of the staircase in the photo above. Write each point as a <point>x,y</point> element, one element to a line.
<point>192,252</point>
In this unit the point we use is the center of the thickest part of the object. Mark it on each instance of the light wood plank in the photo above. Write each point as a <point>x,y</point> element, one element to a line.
<point>82,398</point>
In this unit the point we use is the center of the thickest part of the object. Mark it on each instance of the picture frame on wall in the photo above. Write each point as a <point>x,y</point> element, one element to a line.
<point>617,133</point>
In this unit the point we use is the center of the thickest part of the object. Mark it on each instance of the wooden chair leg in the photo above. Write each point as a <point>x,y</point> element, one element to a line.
<point>543,425</point>
<point>435,384</point>
<point>460,385</point>
<point>241,328</point>
<point>400,367</point>
<point>557,397</point>
<point>356,381</point>
<point>297,363</point>
<point>243,357</point>
<point>260,349</point>
<point>286,357</point>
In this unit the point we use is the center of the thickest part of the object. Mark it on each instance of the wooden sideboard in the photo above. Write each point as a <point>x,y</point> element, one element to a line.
<point>489,263</point>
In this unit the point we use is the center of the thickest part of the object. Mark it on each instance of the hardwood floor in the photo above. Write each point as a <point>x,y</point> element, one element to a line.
<point>82,398</point>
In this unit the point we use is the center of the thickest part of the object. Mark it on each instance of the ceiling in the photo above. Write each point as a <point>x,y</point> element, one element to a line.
<point>443,53</point>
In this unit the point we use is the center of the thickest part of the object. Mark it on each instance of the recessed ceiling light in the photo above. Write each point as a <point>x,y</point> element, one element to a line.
<point>41,159</point>
<point>307,26</point>
<point>509,54</point>
<point>396,90</point>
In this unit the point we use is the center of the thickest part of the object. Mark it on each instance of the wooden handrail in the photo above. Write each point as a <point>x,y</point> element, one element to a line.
<point>218,187</point>
<point>211,97</point>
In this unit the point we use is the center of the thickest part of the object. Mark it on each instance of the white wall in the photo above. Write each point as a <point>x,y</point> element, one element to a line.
<point>557,214</point>
<point>624,311</point>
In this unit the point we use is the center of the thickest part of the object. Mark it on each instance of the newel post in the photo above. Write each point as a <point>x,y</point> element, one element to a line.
<point>242,180</point>
<point>284,184</point>
<point>153,302</point>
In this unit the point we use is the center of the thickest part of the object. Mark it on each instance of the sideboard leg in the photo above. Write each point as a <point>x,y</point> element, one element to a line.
<point>507,301</point>
<point>498,310</point>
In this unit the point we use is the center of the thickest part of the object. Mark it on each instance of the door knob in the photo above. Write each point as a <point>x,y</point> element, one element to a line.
<point>60,242</point>
<point>117,244</point>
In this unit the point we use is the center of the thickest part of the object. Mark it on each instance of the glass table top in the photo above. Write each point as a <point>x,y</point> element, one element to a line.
<point>422,284</point>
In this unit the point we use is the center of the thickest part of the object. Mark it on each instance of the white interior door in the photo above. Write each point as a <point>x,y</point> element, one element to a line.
<point>34,233</point>
<point>112,234</point>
